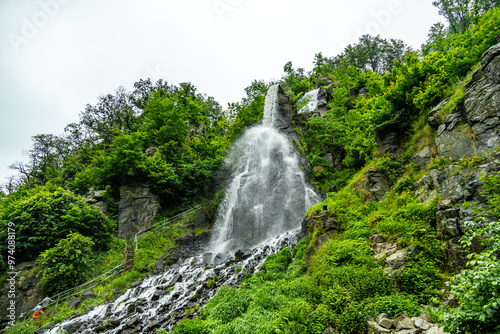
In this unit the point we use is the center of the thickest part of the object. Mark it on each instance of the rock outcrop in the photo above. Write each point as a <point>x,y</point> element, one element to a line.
<point>96,198</point>
<point>285,112</point>
<point>26,291</point>
<point>402,324</point>
<point>374,186</point>
<point>137,209</point>
<point>473,127</point>
<point>456,185</point>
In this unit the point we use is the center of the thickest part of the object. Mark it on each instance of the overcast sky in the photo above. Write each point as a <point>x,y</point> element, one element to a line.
<point>58,55</point>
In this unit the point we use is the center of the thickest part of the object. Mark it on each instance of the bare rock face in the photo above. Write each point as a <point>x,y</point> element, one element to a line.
<point>136,211</point>
<point>285,112</point>
<point>375,186</point>
<point>96,198</point>
<point>456,185</point>
<point>24,290</point>
<point>473,128</point>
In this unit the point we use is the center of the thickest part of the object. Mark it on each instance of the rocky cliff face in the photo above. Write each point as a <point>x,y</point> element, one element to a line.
<point>472,129</point>
<point>137,209</point>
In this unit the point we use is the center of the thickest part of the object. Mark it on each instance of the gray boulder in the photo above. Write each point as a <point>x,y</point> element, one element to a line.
<point>88,294</point>
<point>74,303</point>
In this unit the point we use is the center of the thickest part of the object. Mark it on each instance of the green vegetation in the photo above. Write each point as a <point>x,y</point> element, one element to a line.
<point>64,264</point>
<point>174,139</point>
<point>44,215</point>
<point>478,286</point>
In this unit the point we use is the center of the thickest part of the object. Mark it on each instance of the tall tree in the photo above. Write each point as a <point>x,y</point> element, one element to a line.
<point>375,53</point>
<point>461,14</point>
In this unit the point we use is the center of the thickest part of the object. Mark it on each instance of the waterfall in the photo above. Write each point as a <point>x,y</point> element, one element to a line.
<point>268,194</point>
<point>261,213</point>
<point>310,101</point>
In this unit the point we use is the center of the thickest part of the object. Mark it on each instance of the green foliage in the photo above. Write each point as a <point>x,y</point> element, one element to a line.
<point>276,264</point>
<point>478,286</point>
<point>335,253</point>
<point>374,53</point>
<point>416,85</point>
<point>421,280</point>
<point>299,316</point>
<point>66,264</point>
<point>45,215</point>
<point>191,326</point>
<point>23,328</point>
<point>396,303</point>
<point>228,304</point>
<point>461,14</point>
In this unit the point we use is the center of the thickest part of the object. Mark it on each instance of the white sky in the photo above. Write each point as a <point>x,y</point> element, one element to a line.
<point>58,55</point>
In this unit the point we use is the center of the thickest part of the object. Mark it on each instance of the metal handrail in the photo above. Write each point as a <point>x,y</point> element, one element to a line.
<point>64,295</point>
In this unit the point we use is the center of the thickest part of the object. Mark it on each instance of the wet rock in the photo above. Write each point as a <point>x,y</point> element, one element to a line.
<point>479,112</point>
<point>72,328</point>
<point>135,284</point>
<point>152,325</point>
<point>208,258</point>
<point>242,254</point>
<point>185,238</point>
<point>332,224</point>
<point>201,220</point>
<point>435,330</point>
<point>88,294</point>
<point>409,331</point>
<point>433,118</point>
<point>157,294</point>
<point>389,143</point>
<point>375,185</point>
<point>159,266</point>
<point>222,257</point>
<point>455,253</point>
<point>395,260</point>
<point>74,302</point>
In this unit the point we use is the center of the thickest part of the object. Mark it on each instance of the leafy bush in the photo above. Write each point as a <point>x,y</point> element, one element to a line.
<point>191,326</point>
<point>45,215</point>
<point>227,304</point>
<point>66,264</point>
<point>393,304</point>
<point>420,280</point>
<point>276,264</point>
<point>299,316</point>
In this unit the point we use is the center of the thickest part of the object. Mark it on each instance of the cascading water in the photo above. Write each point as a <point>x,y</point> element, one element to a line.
<point>311,101</point>
<point>261,212</point>
<point>268,194</point>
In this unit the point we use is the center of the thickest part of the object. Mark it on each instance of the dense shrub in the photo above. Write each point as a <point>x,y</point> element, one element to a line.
<point>66,264</point>
<point>46,215</point>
